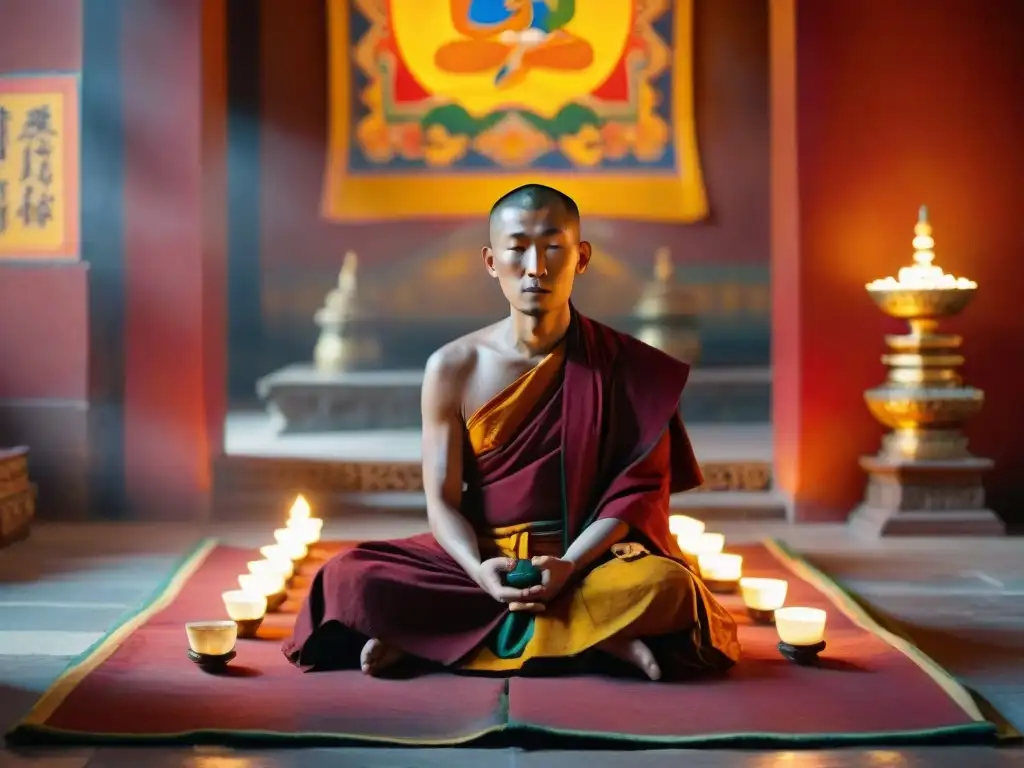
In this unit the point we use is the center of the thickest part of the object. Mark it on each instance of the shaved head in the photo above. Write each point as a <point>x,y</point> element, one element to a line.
<point>533,197</point>
<point>536,251</point>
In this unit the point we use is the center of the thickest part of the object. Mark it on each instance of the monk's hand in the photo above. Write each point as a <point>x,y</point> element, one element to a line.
<point>556,573</point>
<point>489,575</point>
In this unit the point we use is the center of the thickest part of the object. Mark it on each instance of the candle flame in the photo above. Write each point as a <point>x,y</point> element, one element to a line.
<point>300,508</point>
<point>923,274</point>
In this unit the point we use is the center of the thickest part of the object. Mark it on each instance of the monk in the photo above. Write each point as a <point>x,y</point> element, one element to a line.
<point>511,37</point>
<point>547,438</point>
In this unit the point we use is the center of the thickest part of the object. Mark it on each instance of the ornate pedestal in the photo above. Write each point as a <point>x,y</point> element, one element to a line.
<point>924,481</point>
<point>925,498</point>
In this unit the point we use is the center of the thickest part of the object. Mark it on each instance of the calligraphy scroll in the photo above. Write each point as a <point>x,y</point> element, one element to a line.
<point>437,107</point>
<point>39,167</point>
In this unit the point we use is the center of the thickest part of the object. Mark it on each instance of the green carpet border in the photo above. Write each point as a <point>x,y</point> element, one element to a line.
<point>24,727</point>
<point>1005,731</point>
<point>522,735</point>
<point>512,733</point>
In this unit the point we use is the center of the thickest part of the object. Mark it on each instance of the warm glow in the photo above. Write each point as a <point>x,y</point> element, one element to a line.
<point>705,544</point>
<point>800,626</point>
<point>683,525</point>
<point>261,583</point>
<point>244,606</point>
<point>277,555</point>
<point>306,529</point>
<point>300,508</point>
<point>290,544</point>
<point>763,594</point>
<point>282,566</point>
<point>719,567</point>
<point>213,638</point>
<point>285,536</point>
<point>922,275</point>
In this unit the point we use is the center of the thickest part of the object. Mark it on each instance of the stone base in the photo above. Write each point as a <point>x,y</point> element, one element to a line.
<point>302,399</point>
<point>925,498</point>
<point>261,488</point>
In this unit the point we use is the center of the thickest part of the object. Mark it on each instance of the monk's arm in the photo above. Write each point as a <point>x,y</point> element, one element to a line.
<point>596,539</point>
<point>442,457</point>
<point>642,490</point>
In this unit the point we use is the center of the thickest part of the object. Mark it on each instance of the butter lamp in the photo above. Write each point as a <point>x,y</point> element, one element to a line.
<point>291,544</point>
<point>684,525</point>
<point>702,543</point>
<point>801,633</point>
<point>211,644</point>
<point>763,597</point>
<point>721,572</point>
<point>275,554</point>
<point>246,609</point>
<point>306,530</point>
<point>269,585</point>
<point>282,567</point>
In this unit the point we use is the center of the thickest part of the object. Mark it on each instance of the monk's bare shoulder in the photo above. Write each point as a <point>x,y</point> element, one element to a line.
<point>450,368</point>
<point>450,364</point>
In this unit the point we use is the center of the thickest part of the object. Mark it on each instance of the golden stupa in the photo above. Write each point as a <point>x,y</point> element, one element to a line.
<point>344,342</point>
<point>667,313</point>
<point>924,400</point>
<point>924,481</point>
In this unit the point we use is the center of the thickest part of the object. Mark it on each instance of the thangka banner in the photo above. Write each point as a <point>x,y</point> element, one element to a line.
<point>39,167</point>
<point>437,107</point>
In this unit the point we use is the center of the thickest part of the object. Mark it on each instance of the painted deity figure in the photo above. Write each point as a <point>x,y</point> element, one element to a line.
<point>551,446</point>
<point>512,37</point>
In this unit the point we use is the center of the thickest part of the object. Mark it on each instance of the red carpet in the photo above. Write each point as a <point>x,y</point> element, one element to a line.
<point>138,686</point>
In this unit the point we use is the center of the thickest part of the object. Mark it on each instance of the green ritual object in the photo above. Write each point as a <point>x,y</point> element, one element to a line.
<point>524,575</point>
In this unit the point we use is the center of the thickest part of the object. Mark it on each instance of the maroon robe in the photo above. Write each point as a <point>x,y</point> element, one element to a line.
<point>581,456</point>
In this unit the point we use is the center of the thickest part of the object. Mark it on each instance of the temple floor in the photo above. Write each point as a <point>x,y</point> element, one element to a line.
<point>960,599</point>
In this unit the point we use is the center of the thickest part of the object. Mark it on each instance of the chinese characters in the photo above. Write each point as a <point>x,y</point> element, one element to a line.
<point>5,127</point>
<point>5,123</point>
<point>36,140</point>
<point>39,165</point>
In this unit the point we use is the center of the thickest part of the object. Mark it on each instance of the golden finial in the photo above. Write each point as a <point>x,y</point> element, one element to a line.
<point>347,275</point>
<point>923,241</point>
<point>923,274</point>
<point>663,264</point>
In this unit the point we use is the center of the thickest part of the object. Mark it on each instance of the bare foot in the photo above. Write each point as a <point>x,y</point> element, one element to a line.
<point>632,652</point>
<point>377,657</point>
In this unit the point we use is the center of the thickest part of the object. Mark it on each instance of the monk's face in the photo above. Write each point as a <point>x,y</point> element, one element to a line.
<point>535,254</point>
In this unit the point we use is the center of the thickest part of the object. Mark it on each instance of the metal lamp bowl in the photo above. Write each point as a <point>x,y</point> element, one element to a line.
<point>928,408</point>
<point>921,303</point>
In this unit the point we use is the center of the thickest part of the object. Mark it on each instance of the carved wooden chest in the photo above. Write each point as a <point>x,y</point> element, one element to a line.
<point>17,495</point>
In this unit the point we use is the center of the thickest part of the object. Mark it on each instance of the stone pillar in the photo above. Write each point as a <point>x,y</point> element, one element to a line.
<point>174,75</point>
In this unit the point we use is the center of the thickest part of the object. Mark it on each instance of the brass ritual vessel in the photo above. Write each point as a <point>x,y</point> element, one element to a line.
<point>667,313</point>
<point>924,400</point>
<point>345,342</point>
